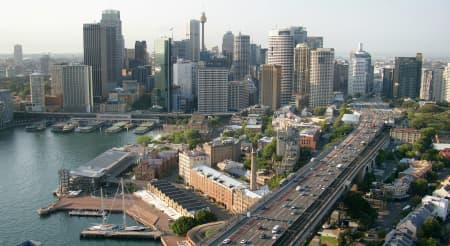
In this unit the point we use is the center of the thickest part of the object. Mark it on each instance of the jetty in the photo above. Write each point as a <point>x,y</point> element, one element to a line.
<point>122,234</point>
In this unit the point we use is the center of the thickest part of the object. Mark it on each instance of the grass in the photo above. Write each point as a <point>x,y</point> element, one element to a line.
<point>211,232</point>
<point>329,241</point>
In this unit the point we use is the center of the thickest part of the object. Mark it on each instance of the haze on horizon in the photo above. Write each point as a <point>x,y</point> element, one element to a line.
<point>386,27</point>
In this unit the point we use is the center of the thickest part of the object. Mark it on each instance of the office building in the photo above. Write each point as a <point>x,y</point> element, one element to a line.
<point>301,69</point>
<point>299,34</point>
<point>193,34</point>
<point>140,74</point>
<point>184,79</point>
<point>446,83</point>
<point>140,53</point>
<point>426,85</point>
<point>269,85</point>
<point>163,74</point>
<point>407,76</point>
<point>93,57</point>
<point>44,63</point>
<point>280,52</point>
<point>77,88</point>
<point>360,73</point>
<point>37,89</point>
<point>263,56</point>
<point>6,108</point>
<point>18,54</point>
<point>181,50</point>
<point>387,77</point>
<point>437,90</point>
<point>241,56</point>
<point>341,76</point>
<point>238,95</point>
<point>227,43</point>
<point>321,77</point>
<point>314,42</point>
<point>212,90</point>
<point>221,149</point>
<point>189,159</point>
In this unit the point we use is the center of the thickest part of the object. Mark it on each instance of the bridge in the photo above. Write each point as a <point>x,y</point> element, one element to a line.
<point>324,181</point>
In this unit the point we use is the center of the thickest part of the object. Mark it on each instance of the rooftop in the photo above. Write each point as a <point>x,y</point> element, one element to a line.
<point>180,196</point>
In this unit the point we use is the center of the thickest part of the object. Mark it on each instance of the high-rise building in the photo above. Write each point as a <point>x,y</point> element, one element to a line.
<point>321,77</point>
<point>280,52</point>
<point>341,76</point>
<point>183,78</point>
<point>18,55</point>
<point>140,53</point>
<point>193,34</point>
<point>426,85</point>
<point>299,33</point>
<point>181,50</point>
<point>77,88</point>
<point>140,74</point>
<point>6,108</point>
<point>241,56</point>
<point>407,76</point>
<point>446,83</point>
<point>163,73</point>
<point>315,42</point>
<point>112,47</point>
<point>93,57</point>
<point>263,56</point>
<point>301,68</point>
<point>37,89</point>
<point>212,90</point>
<point>360,73</point>
<point>387,76</point>
<point>438,85</point>
<point>238,95</point>
<point>270,82</point>
<point>227,43</point>
<point>56,82</point>
<point>45,64</point>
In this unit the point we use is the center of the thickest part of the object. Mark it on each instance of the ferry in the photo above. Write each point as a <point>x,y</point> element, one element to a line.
<point>117,127</point>
<point>90,127</point>
<point>36,127</point>
<point>143,128</point>
<point>58,127</point>
<point>69,127</point>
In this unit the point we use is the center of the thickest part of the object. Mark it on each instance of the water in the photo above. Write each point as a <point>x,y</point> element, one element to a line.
<point>29,164</point>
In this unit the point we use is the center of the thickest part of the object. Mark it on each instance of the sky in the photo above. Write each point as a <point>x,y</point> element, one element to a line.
<point>386,27</point>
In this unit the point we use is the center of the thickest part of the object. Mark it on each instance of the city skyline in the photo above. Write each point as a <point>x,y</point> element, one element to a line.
<point>56,30</point>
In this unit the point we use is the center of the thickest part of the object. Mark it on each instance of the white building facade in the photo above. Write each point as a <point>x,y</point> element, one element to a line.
<point>359,72</point>
<point>321,77</point>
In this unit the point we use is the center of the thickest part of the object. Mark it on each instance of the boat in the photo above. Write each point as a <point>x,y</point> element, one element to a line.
<point>36,127</point>
<point>90,126</point>
<point>69,127</point>
<point>87,213</point>
<point>113,129</point>
<point>30,243</point>
<point>143,128</point>
<point>130,125</point>
<point>58,127</point>
<point>135,228</point>
<point>74,193</point>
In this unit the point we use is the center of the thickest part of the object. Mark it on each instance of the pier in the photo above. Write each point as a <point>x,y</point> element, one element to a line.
<point>121,234</point>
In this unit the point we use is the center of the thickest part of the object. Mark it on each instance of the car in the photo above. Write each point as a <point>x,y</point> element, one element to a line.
<point>261,227</point>
<point>285,205</point>
<point>294,213</point>
<point>243,241</point>
<point>226,241</point>
<point>275,237</point>
<point>293,207</point>
<point>262,236</point>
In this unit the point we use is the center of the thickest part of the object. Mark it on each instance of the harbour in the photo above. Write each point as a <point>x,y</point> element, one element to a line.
<point>30,162</point>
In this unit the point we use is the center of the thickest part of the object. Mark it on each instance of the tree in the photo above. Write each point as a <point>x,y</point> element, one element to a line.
<point>269,149</point>
<point>419,187</point>
<point>427,242</point>
<point>144,140</point>
<point>319,111</point>
<point>204,216</point>
<point>431,228</point>
<point>182,225</point>
<point>360,209</point>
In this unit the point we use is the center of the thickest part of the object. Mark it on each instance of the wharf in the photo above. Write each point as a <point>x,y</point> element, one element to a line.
<point>87,213</point>
<point>121,234</point>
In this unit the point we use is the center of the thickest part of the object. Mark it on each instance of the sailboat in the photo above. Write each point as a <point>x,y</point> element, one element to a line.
<point>104,226</point>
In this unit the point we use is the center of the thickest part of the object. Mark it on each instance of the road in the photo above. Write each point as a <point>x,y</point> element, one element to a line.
<point>321,182</point>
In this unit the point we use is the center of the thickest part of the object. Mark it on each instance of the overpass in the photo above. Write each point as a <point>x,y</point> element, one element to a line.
<point>323,180</point>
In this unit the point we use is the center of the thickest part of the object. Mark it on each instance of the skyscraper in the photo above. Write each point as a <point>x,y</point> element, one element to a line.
<point>407,76</point>
<point>193,34</point>
<point>241,55</point>
<point>44,63</point>
<point>6,108</point>
<point>37,89</point>
<point>321,77</point>
<point>77,88</point>
<point>183,78</point>
<point>446,83</point>
<point>301,68</point>
<point>269,85</point>
<point>18,55</point>
<point>237,95</point>
<point>280,52</point>
<point>438,85</point>
<point>360,74</point>
<point>227,43</point>
<point>426,85</point>
<point>341,76</point>
<point>56,82</point>
<point>112,47</point>
<point>140,53</point>
<point>315,42</point>
<point>163,73</point>
<point>299,33</point>
<point>212,90</point>
<point>387,77</point>
<point>93,57</point>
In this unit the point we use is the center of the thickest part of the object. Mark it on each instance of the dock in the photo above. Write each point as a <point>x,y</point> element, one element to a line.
<point>122,234</point>
<point>87,213</point>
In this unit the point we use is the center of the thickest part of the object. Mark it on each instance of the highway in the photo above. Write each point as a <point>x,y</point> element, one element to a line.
<point>299,207</point>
